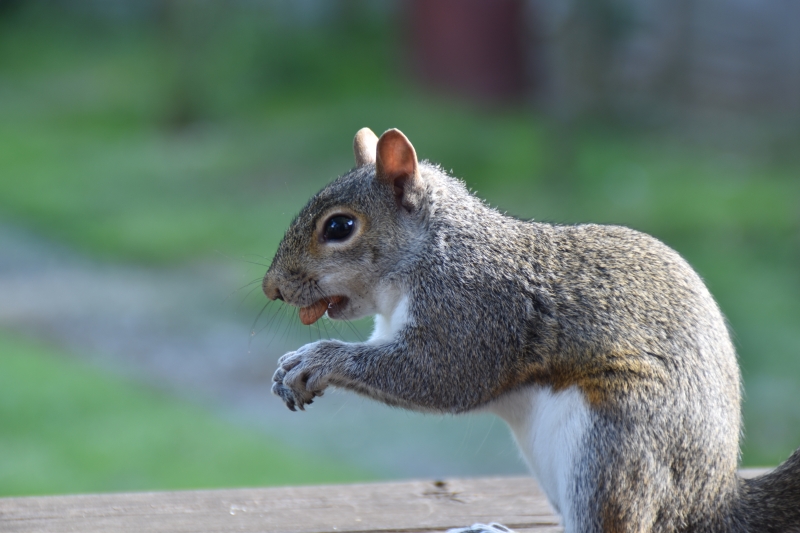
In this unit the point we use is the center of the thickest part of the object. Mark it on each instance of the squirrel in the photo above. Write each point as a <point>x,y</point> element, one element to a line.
<point>599,345</point>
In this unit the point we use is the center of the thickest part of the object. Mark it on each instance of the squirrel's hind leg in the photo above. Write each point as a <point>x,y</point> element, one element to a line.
<point>494,527</point>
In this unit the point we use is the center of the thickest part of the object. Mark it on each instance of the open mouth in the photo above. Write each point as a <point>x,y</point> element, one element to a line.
<point>313,312</point>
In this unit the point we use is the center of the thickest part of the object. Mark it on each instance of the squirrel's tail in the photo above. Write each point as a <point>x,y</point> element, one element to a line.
<point>771,503</point>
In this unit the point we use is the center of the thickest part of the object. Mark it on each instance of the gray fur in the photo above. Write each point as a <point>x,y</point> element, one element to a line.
<point>497,303</point>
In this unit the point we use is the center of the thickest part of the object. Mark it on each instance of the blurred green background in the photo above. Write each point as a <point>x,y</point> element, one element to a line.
<point>172,136</point>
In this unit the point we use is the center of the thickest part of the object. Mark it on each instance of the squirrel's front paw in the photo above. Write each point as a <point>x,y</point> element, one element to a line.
<point>301,376</point>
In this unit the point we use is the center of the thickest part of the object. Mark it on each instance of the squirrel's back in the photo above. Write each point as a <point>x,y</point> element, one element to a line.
<point>625,319</point>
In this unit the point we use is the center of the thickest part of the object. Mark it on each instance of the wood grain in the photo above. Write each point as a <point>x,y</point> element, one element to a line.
<point>410,506</point>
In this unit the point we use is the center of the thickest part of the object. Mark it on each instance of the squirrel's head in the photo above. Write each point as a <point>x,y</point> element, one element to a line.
<point>339,252</point>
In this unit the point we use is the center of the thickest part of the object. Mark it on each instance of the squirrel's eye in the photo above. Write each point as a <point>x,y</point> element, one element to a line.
<point>338,228</point>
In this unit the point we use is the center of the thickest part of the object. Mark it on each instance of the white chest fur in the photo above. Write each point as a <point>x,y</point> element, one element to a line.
<point>550,428</point>
<point>392,316</point>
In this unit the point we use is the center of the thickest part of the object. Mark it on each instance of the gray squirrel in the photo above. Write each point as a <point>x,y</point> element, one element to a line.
<point>599,345</point>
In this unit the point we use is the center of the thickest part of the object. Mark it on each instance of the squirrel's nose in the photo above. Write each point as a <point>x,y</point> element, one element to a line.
<point>271,290</point>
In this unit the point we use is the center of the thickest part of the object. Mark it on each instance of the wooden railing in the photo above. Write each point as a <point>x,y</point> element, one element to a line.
<point>410,506</point>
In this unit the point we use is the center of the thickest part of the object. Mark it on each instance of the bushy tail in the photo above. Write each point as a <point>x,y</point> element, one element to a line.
<point>771,503</point>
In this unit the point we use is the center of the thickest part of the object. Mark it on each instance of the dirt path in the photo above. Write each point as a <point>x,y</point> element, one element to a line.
<point>176,329</point>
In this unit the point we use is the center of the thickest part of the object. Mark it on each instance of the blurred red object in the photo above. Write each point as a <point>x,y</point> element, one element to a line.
<point>473,48</point>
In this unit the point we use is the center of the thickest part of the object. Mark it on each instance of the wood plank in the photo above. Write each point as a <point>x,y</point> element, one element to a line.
<point>404,506</point>
<point>409,506</point>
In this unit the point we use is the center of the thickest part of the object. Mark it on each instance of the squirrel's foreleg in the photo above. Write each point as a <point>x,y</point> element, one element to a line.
<point>398,373</point>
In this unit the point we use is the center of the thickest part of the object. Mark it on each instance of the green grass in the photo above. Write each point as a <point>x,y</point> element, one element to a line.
<point>67,427</point>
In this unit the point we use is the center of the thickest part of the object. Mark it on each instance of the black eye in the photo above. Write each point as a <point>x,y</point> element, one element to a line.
<point>338,228</point>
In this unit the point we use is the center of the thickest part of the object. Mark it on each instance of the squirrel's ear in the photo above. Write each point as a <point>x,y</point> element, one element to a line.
<point>364,147</point>
<point>396,165</point>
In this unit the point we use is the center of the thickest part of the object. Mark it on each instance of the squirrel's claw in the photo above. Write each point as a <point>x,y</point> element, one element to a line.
<point>295,382</point>
<point>301,376</point>
<point>278,389</point>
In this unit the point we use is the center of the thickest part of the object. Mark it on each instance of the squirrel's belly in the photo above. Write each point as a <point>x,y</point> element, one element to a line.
<point>549,428</point>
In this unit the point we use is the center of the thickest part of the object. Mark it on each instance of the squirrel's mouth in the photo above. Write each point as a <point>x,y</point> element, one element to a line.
<point>311,313</point>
